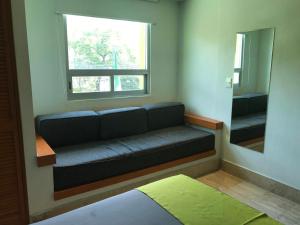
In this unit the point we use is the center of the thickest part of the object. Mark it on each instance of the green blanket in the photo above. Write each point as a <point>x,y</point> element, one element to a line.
<point>194,203</point>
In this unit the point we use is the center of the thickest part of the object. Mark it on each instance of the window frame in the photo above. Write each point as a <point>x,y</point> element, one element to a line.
<point>240,70</point>
<point>70,73</point>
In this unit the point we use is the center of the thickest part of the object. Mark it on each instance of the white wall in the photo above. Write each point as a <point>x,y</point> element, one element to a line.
<point>207,52</point>
<point>257,62</point>
<point>47,56</point>
<point>266,41</point>
<point>35,176</point>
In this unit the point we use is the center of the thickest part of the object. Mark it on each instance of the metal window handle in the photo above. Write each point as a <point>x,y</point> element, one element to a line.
<point>70,85</point>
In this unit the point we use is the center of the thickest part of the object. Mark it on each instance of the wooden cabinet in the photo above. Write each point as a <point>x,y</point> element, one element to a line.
<point>13,195</point>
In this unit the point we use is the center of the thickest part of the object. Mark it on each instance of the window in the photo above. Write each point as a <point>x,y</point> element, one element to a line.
<point>238,62</point>
<point>106,58</point>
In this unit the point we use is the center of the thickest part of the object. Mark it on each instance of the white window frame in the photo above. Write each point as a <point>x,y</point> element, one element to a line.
<point>107,72</point>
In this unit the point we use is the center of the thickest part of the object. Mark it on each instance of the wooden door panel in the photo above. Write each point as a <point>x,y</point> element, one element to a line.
<point>9,203</point>
<point>13,219</point>
<point>6,61</point>
<point>13,196</point>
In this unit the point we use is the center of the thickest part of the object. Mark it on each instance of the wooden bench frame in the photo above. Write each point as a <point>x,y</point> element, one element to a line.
<point>44,153</point>
<point>202,121</point>
<point>46,157</point>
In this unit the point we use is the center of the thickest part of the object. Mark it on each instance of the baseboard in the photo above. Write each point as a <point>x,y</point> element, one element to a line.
<point>262,181</point>
<point>193,169</point>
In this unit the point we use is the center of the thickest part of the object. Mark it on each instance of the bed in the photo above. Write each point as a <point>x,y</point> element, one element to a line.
<point>177,200</point>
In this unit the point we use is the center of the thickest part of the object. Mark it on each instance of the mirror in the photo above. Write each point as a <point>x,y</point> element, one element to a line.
<point>251,82</point>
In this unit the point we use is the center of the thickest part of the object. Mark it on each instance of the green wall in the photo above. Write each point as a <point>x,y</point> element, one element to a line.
<point>208,29</point>
<point>47,55</point>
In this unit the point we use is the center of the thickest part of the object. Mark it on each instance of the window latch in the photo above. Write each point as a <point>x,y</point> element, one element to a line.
<point>70,85</point>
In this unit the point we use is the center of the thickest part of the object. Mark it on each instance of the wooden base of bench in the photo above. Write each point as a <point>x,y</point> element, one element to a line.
<point>252,141</point>
<point>128,176</point>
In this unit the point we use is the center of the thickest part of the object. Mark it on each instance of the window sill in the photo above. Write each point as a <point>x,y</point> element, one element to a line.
<point>72,99</point>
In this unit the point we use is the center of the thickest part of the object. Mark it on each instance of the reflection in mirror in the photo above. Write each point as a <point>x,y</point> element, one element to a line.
<point>251,81</point>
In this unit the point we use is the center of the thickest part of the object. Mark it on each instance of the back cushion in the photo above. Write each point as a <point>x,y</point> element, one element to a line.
<point>122,122</point>
<point>68,128</point>
<point>258,104</point>
<point>239,106</point>
<point>163,115</point>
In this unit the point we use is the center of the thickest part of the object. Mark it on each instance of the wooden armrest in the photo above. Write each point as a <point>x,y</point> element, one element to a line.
<point>203,121</point>
<point>44,153</point>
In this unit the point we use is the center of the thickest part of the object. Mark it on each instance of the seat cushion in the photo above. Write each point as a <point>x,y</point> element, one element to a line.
<point>122,122</point>
<point>163,115</point>
<point>239,106</point>
<point>86,163</point>
<point>258,103</point>
<point>68,128</point>
<point>247,128</point>
<point>248,104</point>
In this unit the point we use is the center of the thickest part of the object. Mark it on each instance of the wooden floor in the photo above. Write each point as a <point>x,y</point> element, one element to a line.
<point>280,209</point>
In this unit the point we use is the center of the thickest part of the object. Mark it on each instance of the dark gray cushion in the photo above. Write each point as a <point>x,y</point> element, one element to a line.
<point>250,103</point>
<point>86,163</point>
<point>247,128</point>
<point>258,104</point>
<point>130,208</point>
<point>239,106</point>
<point>68,128</point>
<point>122,122</point>
<point>163,115</point>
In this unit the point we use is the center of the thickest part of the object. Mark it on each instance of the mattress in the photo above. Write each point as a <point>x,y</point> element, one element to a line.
<point>130,208</point>
<point>177,200</point>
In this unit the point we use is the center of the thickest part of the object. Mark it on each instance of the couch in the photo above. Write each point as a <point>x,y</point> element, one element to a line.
<point>92,146</point>
<point>248,117</point>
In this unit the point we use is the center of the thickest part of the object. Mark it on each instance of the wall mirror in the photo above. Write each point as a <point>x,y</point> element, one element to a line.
<point>251,82</point>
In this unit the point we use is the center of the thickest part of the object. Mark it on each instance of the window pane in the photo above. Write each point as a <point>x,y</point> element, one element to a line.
<point>239,51</point>
<point>96,43</point>
<point>236,78</point>
<point>91,84</point>
<point>129,82</point>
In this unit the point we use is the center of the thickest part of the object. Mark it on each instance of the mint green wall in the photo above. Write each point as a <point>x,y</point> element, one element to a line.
<point>208,29</point>
<point>47,55</point>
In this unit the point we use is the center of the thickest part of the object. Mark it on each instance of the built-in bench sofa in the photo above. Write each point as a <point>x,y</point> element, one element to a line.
<point>85,147</point>
<point>248,117</point>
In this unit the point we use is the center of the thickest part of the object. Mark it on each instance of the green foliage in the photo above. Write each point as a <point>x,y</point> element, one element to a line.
<point>96,49</point>
<point>102,50</point>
